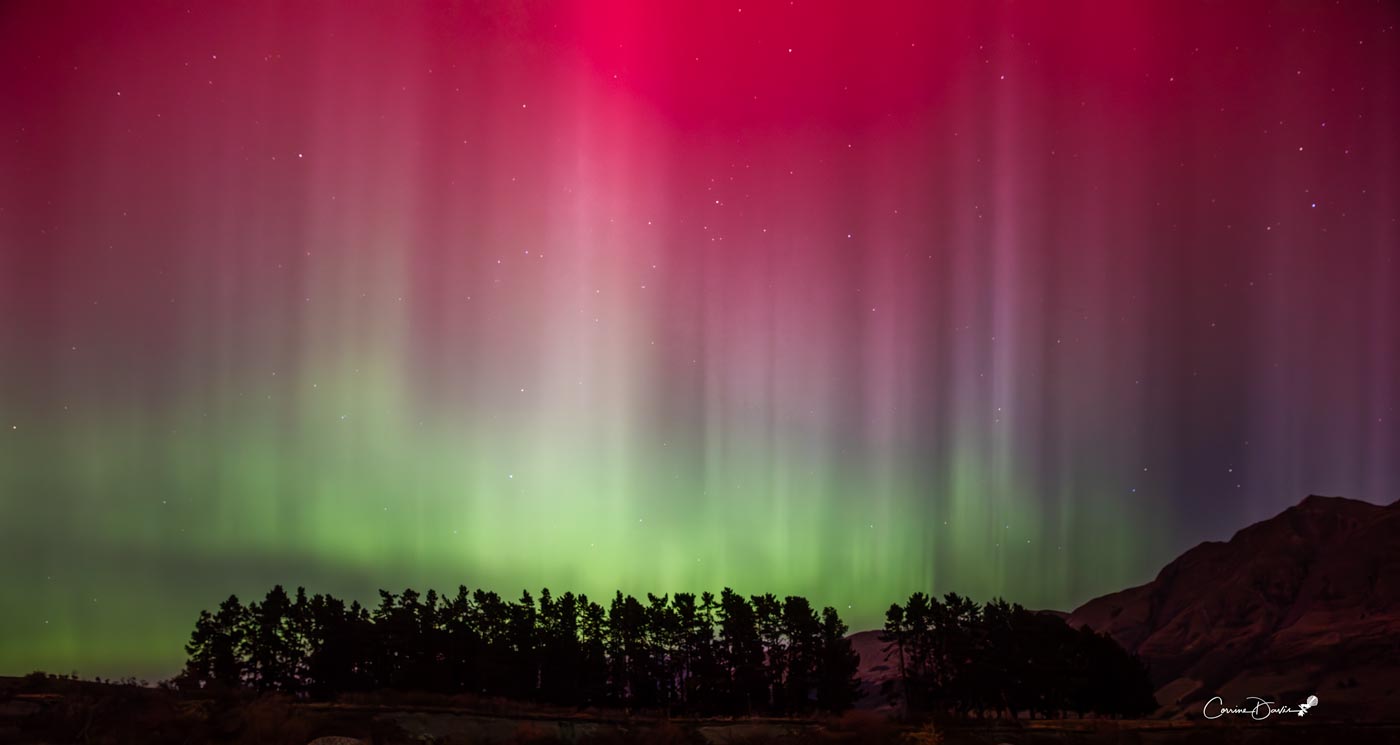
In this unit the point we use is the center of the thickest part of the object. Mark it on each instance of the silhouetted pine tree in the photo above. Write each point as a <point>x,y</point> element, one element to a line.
<point>490,621</point>
<point>216,648</point>
<point>895,636</point>
<point>461,643</point>
<point>274,652</point>
<point>802,641</point>
<point>838,665</point>
<point>741,655</point>
<point>657,624</point>
<point>523,648</point>
<point>710,679</point>
<point>593,653</point>
<point>561,650</point>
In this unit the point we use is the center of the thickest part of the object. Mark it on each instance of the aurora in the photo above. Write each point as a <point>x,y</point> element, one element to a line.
<point>845,302</point>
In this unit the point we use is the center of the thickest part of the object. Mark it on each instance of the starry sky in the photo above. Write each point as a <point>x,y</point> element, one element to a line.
<point>844,300</point>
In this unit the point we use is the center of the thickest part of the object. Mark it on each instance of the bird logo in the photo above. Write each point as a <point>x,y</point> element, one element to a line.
<point>1303,708</point>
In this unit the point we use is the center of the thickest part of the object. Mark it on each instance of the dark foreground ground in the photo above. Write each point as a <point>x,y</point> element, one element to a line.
<point>78,712</point>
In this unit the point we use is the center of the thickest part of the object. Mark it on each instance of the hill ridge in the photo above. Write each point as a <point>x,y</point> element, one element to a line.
<point>1304,601</point>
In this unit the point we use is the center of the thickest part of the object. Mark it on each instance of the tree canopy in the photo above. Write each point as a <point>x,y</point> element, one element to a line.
<point>957,658</point>
<point>683,652</point>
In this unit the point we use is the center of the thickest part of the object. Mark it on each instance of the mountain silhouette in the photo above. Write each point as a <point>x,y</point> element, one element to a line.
<point>1304,603</point>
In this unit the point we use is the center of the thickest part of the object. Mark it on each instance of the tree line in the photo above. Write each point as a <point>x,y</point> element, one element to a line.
<point>702,654</point>
<point>958,658</point>
<point>683,653</point>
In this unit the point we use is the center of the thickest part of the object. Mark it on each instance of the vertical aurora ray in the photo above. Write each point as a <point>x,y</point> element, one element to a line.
<point>793,298</point>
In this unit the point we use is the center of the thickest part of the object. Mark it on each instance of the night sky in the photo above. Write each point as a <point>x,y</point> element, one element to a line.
<point>838,300</point>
